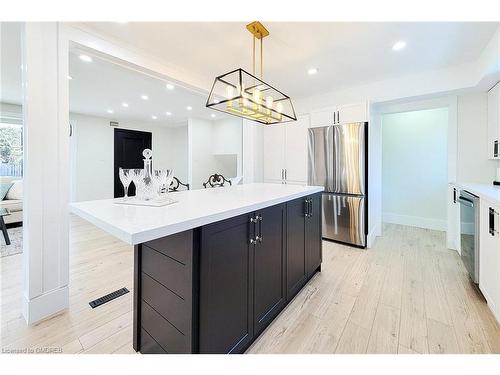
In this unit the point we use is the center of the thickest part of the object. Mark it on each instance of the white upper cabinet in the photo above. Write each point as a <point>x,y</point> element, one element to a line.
<point>352,113</point>
<point>489,255</point>
<point>340,115</point>
<point>285,152</point>
<point>323,117</point>
<point>494,122</point>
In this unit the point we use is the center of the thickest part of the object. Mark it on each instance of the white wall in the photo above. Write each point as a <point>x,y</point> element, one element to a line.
<point>473,164</point>
<point>414,168</point>
<point>92,154</point>
<point>215,147</point>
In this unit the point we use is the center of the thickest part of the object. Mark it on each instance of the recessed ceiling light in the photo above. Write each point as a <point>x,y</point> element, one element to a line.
<point>154,117</point>
<point>312,71</point>
<point>212,115</point>
<point>70,78</point>
<point>86,58</point>
<point>125,105</point>
<point>189,108</point>
<point>170,86</point>
<point>168,113</point>
<point>399,45</point>
<point>144,97</point>
<point>110,111</point>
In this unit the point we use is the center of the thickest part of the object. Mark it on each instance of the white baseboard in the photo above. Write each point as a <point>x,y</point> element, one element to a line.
<point>46,305</point>
<point>415,221</point>
<point>374,232</point>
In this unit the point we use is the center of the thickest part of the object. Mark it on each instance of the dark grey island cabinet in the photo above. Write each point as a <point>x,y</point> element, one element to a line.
<point>215,288</point>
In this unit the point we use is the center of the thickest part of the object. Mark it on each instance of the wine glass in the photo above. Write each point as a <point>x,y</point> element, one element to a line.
<point>138,179</point>
<point>162,178</point>
<point>125,178</point>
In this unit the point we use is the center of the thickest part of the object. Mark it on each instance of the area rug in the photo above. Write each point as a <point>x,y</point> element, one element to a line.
<point>16,242</point>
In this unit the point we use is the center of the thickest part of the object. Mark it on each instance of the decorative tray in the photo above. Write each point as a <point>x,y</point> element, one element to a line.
<point>151,203</point>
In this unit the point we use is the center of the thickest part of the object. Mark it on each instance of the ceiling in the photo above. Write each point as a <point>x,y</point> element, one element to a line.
<point>99,86</point>
<point>345,54</point>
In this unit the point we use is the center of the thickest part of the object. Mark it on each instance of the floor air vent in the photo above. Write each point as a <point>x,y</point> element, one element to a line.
<point>108,297</point>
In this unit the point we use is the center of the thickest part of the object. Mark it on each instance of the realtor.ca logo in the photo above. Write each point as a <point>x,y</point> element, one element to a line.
<point>39,350</point>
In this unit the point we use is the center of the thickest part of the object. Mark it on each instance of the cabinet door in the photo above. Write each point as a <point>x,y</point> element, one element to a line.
<point>313,235</point>
<point>226,286</point>
<point>489,256</point>
<point>352,113</point>
<point>296,150</point>
<point>323,117</point>
<point>494,121</point>
<point>274,149</point>
<point>269,270</point>
<point>295,246</point>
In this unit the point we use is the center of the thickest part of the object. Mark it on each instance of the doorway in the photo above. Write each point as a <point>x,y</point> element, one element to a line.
<point>415,168</point>
<point>128,148</point>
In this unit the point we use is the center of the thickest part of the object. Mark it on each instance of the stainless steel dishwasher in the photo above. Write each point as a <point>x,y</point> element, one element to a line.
<point>469,232</point>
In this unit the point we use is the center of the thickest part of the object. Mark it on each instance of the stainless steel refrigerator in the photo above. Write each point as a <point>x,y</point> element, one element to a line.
<point>337,158</point>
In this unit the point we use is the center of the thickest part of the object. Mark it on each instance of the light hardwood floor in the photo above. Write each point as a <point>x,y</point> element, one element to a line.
<point>407,295</point>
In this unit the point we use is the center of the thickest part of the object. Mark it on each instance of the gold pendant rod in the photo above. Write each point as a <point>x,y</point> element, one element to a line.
<point>261,57</point>
<point>253,55</point>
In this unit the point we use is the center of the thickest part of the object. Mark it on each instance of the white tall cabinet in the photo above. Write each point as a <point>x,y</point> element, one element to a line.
<point>285,152</point>
<point>489,255</point>
<point>494,122</point>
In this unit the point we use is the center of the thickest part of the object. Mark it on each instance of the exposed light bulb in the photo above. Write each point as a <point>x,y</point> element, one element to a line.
<point>170,86</point>
<point>269,102</point>
<point>144,97</point>
<point>279,107</point>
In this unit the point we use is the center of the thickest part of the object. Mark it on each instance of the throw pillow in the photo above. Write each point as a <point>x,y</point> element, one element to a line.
<point>16,191</point>
<point>4,188</point>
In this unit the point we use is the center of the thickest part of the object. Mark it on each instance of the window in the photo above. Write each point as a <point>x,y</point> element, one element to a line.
<point>11,150</point>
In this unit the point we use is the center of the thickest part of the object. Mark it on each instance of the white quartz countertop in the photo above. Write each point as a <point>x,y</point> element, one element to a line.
<point>138,224</point>
<point>489,192</point>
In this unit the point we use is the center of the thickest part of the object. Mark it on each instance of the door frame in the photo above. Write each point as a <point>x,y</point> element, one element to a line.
<point>126,131</point>
<point>377,110</point>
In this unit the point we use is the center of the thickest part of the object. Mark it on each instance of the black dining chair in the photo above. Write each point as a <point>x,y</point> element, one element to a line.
<point>216,180</point>
<point>176,184</point>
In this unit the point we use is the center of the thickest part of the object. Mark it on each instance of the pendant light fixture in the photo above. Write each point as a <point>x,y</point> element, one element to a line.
<point>242,94</point>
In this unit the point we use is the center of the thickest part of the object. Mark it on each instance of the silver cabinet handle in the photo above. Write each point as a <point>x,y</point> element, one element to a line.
<point>259,237</point>
<point>338,117</point>
<point>285,174</point>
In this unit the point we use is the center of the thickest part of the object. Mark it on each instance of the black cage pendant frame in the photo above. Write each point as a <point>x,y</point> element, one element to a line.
<point>271,117</point>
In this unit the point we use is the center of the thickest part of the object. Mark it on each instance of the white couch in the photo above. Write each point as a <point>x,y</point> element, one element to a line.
<point>15,206</point>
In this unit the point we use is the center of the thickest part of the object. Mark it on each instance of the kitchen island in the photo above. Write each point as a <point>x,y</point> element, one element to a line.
<point>213,270</point>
